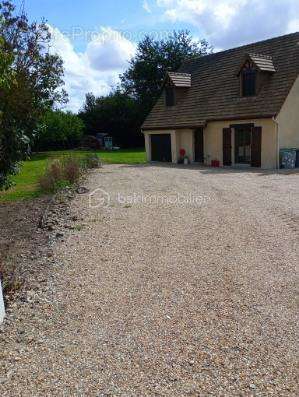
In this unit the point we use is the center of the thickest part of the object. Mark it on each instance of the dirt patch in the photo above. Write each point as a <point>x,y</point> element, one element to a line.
<point>28,232</point>
<point>21,245</point>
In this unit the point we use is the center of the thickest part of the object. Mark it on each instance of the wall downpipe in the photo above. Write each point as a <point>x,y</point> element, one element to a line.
<point>277,143</point>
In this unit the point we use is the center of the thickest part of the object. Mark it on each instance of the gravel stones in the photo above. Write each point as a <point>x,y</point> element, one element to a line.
<point>162,299</point>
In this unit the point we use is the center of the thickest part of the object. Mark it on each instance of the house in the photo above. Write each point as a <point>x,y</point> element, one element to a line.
<point>235,107</point>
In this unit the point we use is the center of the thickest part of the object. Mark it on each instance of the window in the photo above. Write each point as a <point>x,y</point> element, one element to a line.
<point>248,81</point>
<point>169,96</point>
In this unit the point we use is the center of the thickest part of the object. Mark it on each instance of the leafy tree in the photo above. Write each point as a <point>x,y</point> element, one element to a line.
<point>115,114</point>
<point>122,112</point>
<point>58,130</point>
<point>91,114</point>
<point>31,85</point>
<point>5,66</point>
<point>8,157</point>
<point>144,77</point>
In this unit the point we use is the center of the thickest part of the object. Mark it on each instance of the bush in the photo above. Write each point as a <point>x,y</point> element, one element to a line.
<point>92,160</point>
<point>52,177</point>
<point>91,142</point>
<point>61,173</point>
<point>64,172</point>
<point>71,169</point>
<point>59,130</point>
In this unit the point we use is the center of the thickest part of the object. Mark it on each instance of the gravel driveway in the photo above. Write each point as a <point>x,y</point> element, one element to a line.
<point>186,288</point>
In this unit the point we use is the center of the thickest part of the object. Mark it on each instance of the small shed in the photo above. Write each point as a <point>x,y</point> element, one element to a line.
<point>105,140</point>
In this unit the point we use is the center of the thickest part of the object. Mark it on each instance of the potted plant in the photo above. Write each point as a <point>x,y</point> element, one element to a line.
<point>183,159</point>
<point>182,155</point>
<point>186,160</point>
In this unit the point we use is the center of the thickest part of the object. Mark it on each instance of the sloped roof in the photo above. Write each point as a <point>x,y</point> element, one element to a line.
<point>182,80</point>
<point>215,90</point>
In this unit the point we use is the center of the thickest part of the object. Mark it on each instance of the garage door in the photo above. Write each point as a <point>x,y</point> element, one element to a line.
<point>161,147</point>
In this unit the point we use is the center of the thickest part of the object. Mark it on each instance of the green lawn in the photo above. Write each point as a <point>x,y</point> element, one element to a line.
<point>26,182</point>
<point>132,156</point>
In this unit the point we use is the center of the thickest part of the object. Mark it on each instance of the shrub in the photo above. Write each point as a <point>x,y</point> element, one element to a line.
<point>59,130</point>
<point>60,173</point>
<point>56,170</point>
<point>91,142</point>
<point>52,176</point>
<point>92,160</point>
<point>71,169</point>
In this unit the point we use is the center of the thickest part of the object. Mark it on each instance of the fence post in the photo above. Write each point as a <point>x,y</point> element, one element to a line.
<point>2,308</point>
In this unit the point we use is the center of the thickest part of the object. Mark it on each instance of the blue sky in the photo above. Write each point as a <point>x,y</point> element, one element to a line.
<point>96,38</point>
<point>133,17</point>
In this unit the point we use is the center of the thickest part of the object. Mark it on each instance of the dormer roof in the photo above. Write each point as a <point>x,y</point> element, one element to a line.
<point>264,63</point>
<point>180,80</point>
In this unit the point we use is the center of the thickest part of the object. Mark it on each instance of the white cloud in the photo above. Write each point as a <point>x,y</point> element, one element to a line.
<point>146,6</point>
<point>109,51</point>
<point>227,23</point>
<point>97,69</point>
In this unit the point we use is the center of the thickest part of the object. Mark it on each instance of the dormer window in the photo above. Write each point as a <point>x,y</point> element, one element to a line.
<point>169,96</point>
<point>176,85</point>
<point>254,72</point>
<point>248,80</point>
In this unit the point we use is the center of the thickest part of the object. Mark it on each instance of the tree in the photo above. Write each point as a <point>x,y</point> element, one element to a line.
<point>122,112</point>
<point>6,82</point>
<point>58,130</point>
<point>144,77</point>
<point>31,86</point>
<point>115,114</point>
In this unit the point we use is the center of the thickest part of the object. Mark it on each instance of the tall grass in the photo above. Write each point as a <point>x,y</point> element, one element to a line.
<point>64,172</point>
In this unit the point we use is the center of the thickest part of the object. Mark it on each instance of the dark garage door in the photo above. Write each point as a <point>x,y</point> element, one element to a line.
<point>161,147</point>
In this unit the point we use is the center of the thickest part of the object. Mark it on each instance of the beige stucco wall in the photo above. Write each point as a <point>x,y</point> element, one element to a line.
<point>288,119</point>
<point>270,157</point>
<point>213,135</point>
<point>185,141</point>
<point>180,139</point>
<point>213,146</point>
<point>148,148</point>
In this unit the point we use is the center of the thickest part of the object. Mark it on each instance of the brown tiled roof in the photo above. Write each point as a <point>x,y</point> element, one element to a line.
<point>182,80</point>
<point>215,90</point>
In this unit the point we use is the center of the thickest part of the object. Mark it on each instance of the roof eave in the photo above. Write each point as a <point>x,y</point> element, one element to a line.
<point>205,122</point>
<point>175,127</point>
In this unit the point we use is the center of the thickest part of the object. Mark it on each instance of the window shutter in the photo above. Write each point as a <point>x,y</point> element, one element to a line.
<point>227,146</point>
<point>256,147</point>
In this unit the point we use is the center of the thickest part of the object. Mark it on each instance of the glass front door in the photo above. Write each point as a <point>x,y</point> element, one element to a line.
<point>243,144</point>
